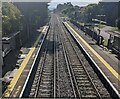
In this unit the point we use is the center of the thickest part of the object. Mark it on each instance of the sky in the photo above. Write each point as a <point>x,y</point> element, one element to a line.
<point>92,1</point>
<point>75,0</point>
<point>54,3</point>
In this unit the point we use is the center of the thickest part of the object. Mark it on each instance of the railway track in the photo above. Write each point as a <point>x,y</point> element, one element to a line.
<point>82,81</point>
<point>61,71</point>
<point>96,80</point>
<point>65,87</point>
<point>43,82</point>
<point>46,77</point>
<point>52,77</point>
<point>102,90</point>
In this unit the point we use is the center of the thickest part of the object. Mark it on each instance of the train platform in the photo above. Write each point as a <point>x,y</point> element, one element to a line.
<point>17,84</point>
<point>106,62</point>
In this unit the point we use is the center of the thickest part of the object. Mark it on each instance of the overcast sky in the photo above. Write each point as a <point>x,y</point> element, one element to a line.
<point>93,1</point>
<point>54,3</point>
<point>75,0</point>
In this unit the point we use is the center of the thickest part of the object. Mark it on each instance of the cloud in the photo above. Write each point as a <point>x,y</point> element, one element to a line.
<point>93,1</point>
<point>110,0</point>
<point>26,0</point>
<point>54,3</point>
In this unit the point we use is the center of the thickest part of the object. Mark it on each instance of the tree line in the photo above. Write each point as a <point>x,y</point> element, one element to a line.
<point>23,15</point>
<point>105,11</point>
<point>10,18</point>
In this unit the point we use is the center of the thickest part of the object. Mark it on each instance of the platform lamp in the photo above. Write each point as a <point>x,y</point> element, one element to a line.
<point>99,30</point>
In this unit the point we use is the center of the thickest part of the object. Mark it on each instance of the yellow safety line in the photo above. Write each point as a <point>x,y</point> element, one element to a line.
<point>38,38</point>
<point>37,41</point>
<point>96,54</point>
<point>20,70</point>
<point>17,75</point>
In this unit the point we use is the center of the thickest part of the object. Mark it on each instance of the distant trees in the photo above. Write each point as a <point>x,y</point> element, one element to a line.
<point>64,6</point>
<point>10,18</point>
<point>89,12</point>
<point>83,14</point>
<point>33,14</point>
<point>110,9</point>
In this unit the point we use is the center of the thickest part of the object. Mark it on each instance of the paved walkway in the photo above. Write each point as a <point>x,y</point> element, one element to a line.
<point>105,31</point>
<point>106,54</point>
<point>106,61</point>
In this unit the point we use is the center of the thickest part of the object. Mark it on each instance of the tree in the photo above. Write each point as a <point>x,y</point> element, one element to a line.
<point>10,18</point>
<point>89,12</point>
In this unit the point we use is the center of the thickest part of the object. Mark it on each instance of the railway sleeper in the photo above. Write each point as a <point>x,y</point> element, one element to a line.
<point>45,76</point>
<point>46,81</point>
<point>84,84</point>
<point>46,90</point>
<point>45,87</point>
<point>44,95</point>
<point>89,96</point>
<point>83,81</point>
<point>32,94</point>
<point>86,92</point>
<point>80,76</point>
<point>78,69</point>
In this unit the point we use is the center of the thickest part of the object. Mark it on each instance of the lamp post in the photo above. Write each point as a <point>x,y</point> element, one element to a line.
<point>1,52</point>
<point>99,27</point>
<point>21,27</point>
<point>85,23</point>
<point>92,32</point>
<point>100,20</point>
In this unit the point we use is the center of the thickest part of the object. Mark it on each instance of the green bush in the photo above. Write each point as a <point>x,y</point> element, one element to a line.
<point>10,18</point>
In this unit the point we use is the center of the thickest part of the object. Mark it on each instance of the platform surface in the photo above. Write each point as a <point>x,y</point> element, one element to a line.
<point>107,62</point>
<point>16,85</point>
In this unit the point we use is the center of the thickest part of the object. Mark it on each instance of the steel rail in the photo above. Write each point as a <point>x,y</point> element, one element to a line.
<point>82,64</point>
<point>41,71</point>
<point>39,49</point>
<point>54,45</point>
<point>69,71</point>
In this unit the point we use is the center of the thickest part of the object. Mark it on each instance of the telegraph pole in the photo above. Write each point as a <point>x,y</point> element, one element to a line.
<point>1,54</point>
